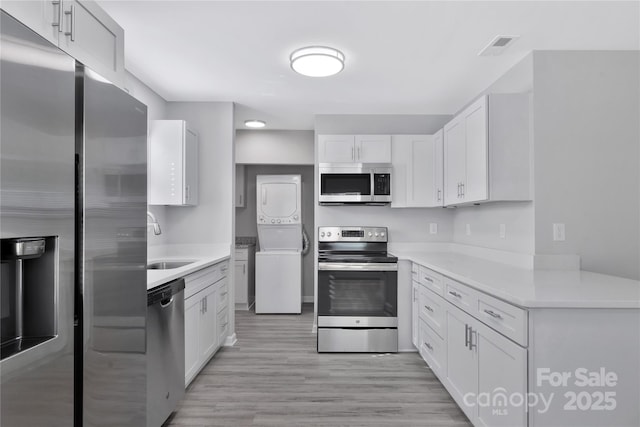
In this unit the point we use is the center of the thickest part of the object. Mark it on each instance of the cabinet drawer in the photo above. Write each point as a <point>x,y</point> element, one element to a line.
<point>223,295</point>
<point>432,349</point>
<point>242,254</point>
<point>224,268</point>
<point>505,318</point>
<point>432,310</point>
<point>461,296</point>
<point>195,282</point>
<point>432,280</point>
<point>223,326</point>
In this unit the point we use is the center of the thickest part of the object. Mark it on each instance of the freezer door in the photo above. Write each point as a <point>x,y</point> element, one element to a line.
<point>37,192</point>
<point>114,197</point>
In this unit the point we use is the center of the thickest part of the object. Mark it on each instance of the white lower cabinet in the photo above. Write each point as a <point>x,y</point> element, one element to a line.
<point>415,314</point>
<point>478,365</point>
<point>206,306</point>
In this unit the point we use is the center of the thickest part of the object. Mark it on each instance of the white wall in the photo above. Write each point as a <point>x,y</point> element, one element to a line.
<point>518,217</point>
<point>211,221</point>
<point>156,110</point>
<point>282,147</point>
<point>246,217</point>
<point>587,133</point>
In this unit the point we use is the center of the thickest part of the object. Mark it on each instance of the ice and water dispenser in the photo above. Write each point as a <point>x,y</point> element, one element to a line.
<point>28,293</point>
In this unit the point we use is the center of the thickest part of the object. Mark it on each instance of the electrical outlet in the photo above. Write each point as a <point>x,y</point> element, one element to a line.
<point>503,231</point>
<point>468,229</point>
<point>558,232</point>
<point>433,228</point>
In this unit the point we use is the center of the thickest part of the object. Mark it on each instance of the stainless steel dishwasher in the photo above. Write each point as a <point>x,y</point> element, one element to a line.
<point>165,351</point>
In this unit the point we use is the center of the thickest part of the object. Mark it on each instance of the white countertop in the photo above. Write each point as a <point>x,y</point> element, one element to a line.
<point>527,287</point>
<point>201,255</point>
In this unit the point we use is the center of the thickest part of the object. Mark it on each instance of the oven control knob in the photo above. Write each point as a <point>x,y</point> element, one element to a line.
<point>278,221</point>
<point>273,221</point>
<point>322,234</point>
<point>370,234</point>
<point>382,234</point>
<point>376,234</point>
<point>328,234</point>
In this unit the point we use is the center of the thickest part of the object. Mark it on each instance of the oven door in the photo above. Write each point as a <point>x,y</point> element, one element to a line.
<point>358,295</point>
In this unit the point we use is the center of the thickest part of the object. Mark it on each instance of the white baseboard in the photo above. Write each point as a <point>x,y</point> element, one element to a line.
<point>231,340</point>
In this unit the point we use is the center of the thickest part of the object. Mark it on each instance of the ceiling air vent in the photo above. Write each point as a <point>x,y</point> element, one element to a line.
<point>498,45</point>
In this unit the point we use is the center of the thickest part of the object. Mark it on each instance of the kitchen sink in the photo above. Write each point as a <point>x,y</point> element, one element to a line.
<point>167,265</point>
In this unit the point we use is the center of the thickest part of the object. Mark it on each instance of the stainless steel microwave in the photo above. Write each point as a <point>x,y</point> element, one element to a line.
<point>357,183</point>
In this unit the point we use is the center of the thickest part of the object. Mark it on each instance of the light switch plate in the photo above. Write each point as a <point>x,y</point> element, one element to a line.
<point>468,229</point>
<point>558,232</point>
<point>503,231</point>
<point>433,228</point>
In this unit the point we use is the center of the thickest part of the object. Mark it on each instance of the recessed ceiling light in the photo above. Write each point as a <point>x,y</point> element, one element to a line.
<point>255,123</point>
<point>317,61</point>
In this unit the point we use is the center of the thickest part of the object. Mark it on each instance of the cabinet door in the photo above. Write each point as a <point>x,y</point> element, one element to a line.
<point>42,16</point>
<point>190,168</point>
<point>462,367</point>
<point>91,36</point>
<point>454,160</point>
<point>241,282</point>
<point>192,312</point>
<point>164,171</point>
<point>373,148</point>
<point>208,324</point>
<point>476,183</point>
<point>422,188</point>
<point>401,164</point>
<point>240,186</point>
<point>336,149</point>
<point>502,368</point>
<point>415,314</point>
<point>438,168</point>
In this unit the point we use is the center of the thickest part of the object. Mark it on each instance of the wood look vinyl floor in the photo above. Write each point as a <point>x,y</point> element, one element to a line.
<point>273,376</point>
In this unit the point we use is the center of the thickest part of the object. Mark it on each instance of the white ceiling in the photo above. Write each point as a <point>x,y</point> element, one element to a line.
<point>416,57</point>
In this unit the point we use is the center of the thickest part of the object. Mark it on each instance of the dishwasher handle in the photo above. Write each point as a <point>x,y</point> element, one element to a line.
<point>163,294</point>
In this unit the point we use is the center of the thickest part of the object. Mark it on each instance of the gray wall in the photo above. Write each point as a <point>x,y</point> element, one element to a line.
<point>246,217</point>
<point>586,130</point>
<point>211,221</point>
<point>280,147</point>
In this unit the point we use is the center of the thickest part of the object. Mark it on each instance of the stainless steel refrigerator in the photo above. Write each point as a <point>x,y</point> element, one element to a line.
<point>73,166</point>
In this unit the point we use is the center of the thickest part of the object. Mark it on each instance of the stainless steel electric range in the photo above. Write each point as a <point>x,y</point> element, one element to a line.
<point>357,291</point>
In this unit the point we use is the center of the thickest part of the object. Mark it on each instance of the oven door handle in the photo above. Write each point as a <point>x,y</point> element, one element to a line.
<point>357,266</point>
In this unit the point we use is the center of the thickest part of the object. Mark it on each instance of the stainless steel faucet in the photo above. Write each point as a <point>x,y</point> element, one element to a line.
<point>156,227</point>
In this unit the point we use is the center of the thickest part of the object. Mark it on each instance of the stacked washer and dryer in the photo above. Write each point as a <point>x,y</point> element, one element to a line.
<point>279,259</point>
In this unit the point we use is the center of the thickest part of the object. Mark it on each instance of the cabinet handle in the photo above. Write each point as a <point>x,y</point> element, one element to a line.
<point>224,293</point>
<point>428,308</point>
<point>472,333</point>
<point>459,190</point>
<point>466,335</point>
<point>426,344</point>
<point>353,153</point>
<point>240,196</point>
<point>359,157</point>
<point>72,24</point>
<point>202,306</point>
<point>462,187</point>
<point>428,279</point>
<point>439,191</point>
<point>415,291</point>
<point>493,314</point>
<point>244,268</point>
<point>206,304</point>
<point>455,294</point>
<point>59,23</point>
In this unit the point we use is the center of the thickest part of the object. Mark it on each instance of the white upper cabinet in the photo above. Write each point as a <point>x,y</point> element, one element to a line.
<point>487,151</point>
<point>240,186</point>
<point>438,168</point>
<point>416,166</point>
<point>80,28</point>
<point>173,163</point>
<point>373,148</point>
<point>354,149</point>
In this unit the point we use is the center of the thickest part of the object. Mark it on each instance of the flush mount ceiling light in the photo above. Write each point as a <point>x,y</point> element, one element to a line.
<point>255,124</point>
<point>317,61</point>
